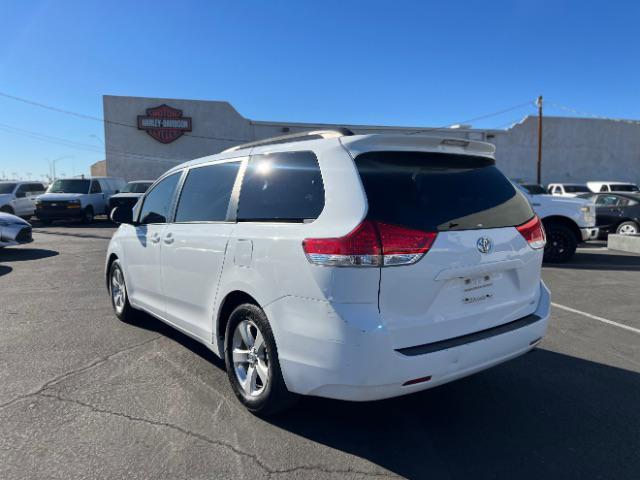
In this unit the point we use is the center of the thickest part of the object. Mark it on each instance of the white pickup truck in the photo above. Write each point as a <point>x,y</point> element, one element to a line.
<point>567,221</point>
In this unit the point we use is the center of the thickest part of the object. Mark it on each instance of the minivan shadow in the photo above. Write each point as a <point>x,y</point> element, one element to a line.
<point>543,415</point>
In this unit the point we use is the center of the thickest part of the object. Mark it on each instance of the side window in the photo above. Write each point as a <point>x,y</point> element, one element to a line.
<point>157,203</point>
<point>22,189</point>
<point>556,189</point>
<point>206,193</point>
<point>95,187</point>
<point>604,188</point>
<point>285,186</point>
<point>36,188</point>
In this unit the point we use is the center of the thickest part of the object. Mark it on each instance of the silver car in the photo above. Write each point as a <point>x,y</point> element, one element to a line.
<point>14,230</point>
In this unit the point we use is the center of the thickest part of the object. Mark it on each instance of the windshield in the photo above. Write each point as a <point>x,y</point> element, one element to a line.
<point>576,189</point>
<point>7,187</point>
<point>624,188</point>
<point>439,192</point>
<point>535,189</point>
<point>70,186</point>
<point>136,187</point>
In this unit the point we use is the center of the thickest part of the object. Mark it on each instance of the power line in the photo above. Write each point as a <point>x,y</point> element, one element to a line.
<point>102,120</point>
<point>590,115</point>
<point>475,119</point>
<point>87,147</point>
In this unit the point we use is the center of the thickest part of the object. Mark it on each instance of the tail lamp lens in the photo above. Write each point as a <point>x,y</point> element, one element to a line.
<point>533,233</point>
<point>370,244</point>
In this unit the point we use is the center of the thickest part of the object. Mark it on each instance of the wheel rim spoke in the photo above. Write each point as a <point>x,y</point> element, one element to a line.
<point>263,371</point>
<point>259,341</point>
<point>250,381</point>
<point>240,356</point>
<point>245,332</point>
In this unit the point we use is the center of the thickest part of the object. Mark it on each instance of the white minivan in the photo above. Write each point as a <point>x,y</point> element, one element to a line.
<point>355,267</point>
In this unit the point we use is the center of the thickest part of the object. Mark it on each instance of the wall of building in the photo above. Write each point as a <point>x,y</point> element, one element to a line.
<point>574,149</point>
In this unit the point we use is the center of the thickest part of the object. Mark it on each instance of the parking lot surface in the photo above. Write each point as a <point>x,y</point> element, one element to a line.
<point>84,395</point>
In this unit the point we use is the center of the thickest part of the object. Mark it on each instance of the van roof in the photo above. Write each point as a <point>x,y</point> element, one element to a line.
<point>356,144</point>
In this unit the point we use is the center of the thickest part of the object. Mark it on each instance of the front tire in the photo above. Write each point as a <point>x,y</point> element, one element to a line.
<point>628,228</point>
<point>252,362</point>
<point>87,215</point>
<point>118,293</point>
<point>561,243</point>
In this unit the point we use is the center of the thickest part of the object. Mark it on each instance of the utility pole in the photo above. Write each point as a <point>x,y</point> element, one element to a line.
<point>539,166</point>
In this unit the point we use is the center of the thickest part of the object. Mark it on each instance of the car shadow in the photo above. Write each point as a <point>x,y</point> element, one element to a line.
<point>4,270</point>
<point>600,261</point>
<point>543,415</point>
<point>25,254</point>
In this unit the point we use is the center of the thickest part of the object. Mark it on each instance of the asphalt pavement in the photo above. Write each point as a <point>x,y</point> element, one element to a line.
<point>83,395</point>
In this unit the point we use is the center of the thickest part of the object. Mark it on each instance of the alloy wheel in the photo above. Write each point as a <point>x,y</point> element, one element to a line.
<point>250,358</point>
<point>118,290</point>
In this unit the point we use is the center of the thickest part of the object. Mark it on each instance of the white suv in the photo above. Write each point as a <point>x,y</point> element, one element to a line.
<point>19,198</point>
<point>355,267</point>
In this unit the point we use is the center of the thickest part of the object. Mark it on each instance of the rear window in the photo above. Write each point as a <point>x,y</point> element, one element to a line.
<point>439,192</point>
<point>281,187</point>
<point>623,188</point>
<point>576,189</point>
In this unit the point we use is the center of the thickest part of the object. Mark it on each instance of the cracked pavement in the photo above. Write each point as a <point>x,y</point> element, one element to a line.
<point>85,396</point>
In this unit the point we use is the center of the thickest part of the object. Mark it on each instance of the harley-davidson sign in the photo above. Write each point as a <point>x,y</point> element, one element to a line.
<point>164,123</point>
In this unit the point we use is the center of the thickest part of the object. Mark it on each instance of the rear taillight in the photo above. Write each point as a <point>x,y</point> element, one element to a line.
<point>533,233</point>
<point>370,244</point>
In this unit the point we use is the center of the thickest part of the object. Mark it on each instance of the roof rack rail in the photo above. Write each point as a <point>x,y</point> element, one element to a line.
<point>302,136</point>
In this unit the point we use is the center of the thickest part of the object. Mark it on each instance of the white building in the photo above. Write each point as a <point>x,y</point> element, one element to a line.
<point>146,136</point>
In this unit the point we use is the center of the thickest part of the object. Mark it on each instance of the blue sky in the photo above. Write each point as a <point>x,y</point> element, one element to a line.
<point>421,63</point>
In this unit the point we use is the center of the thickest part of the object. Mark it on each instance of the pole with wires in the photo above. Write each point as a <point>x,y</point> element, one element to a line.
<point>539,165</point>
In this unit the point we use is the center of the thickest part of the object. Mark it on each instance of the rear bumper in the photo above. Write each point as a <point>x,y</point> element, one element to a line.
<point>323,354</point>
<point>590,233</point>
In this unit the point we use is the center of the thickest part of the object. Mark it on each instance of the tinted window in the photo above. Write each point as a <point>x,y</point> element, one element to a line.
<point>136,187</point>
<point>36,188</point>
<point>604,188</point>
<point>608,200</point>
<point>576,189</point>
<point>535,189</point>
<point>95,187</point>
<point>7,187</point>
<point>71,185</point>
<point>284,186</point>
<point>206,193</point>
<point>623,188</point>
<point>157,203</point>
<point>437,191</point>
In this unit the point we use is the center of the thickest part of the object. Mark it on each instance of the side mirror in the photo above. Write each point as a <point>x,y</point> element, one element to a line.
<point>122,214</point>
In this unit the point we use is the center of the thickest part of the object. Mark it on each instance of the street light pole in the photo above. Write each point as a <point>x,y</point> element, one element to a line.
<point>539,165</point>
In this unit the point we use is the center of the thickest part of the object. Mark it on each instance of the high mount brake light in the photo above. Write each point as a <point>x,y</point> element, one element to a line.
<point>533,233</point>
<point>370,244</point>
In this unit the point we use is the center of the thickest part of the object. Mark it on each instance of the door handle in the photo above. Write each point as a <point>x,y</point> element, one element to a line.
<point>168,240</point>
<point>155,238</point>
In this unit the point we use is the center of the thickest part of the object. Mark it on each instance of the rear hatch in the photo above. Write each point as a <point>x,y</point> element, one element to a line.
<point>479,272</point>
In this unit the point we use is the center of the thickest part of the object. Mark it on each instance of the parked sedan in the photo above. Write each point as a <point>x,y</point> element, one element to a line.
<point>617,212</point>
<point>14,230</point>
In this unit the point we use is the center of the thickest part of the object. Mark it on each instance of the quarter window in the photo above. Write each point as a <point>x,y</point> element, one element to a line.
<point>95,187</point>
<point>282,187</point>
<point>157,203</point>
<point>206,193</point>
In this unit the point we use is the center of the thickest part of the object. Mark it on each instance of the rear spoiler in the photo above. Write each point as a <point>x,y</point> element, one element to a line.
<point>376,142</point>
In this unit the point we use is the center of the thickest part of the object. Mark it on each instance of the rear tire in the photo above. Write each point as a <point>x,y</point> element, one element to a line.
<point>561,243</point>
<point>87,215</point>
<point>119,295</point>
<point>254,370</point>
<point>46,221</point>
<point>628,228</point>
